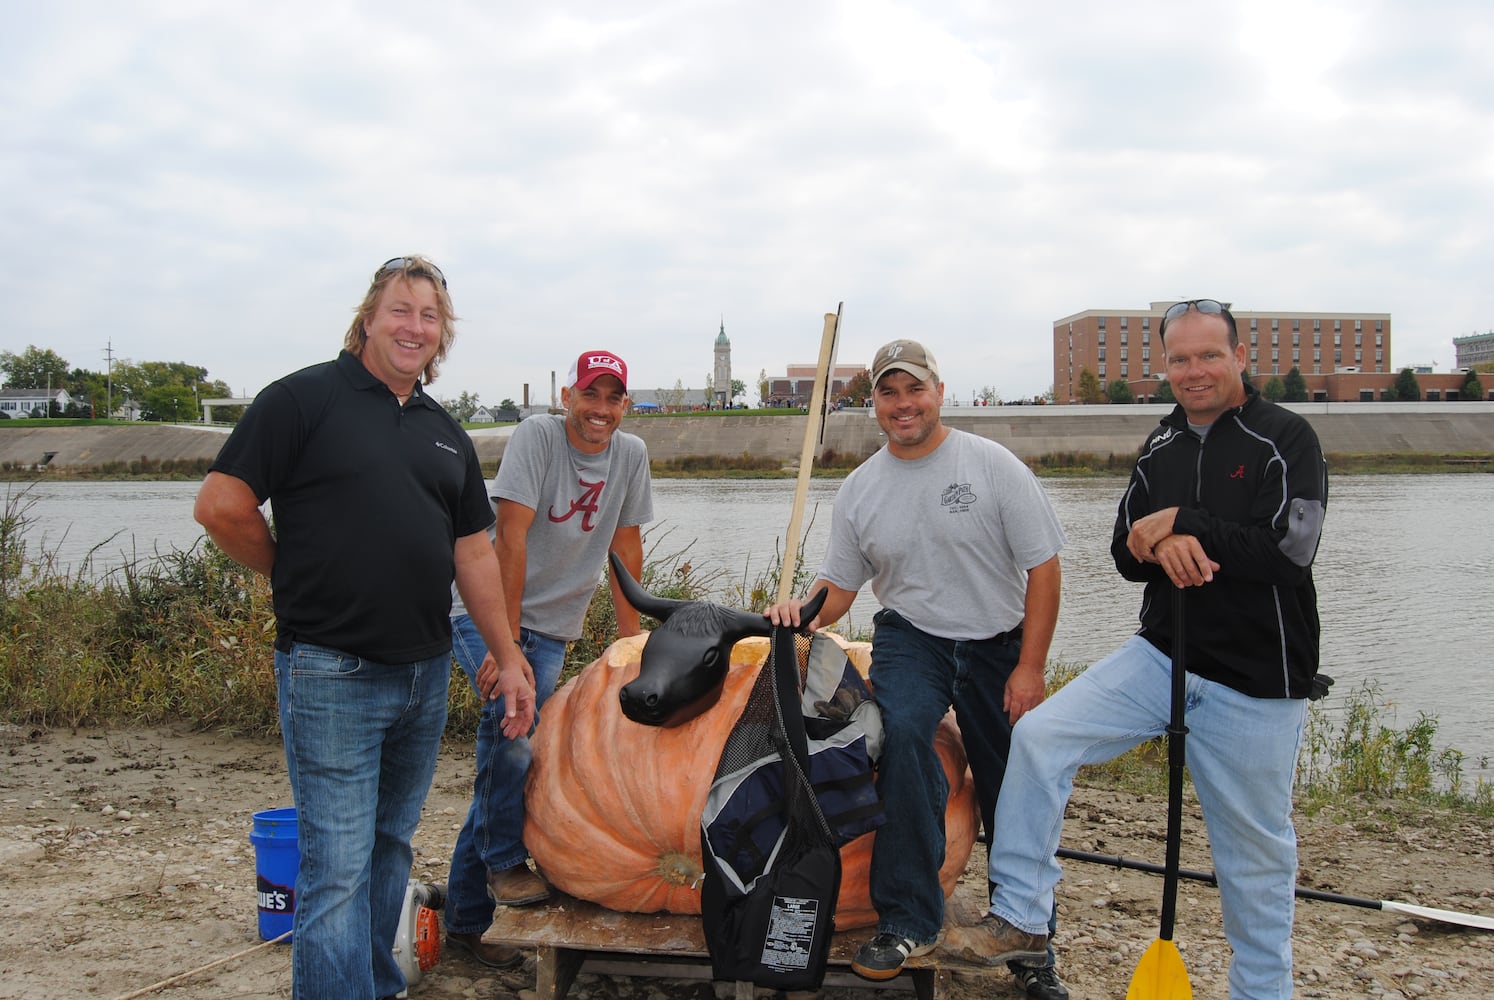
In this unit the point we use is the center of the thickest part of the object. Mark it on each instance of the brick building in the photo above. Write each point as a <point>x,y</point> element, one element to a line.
<point>1343,357</point>
<point>1122,344</point>
<point>796,385</point>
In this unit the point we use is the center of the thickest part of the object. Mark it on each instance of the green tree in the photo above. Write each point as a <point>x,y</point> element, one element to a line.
<point>762,387</point>
<point>507,404</point>
<point>463,406</point>
<point>1407,389</point>
<point>1164,393</point>
<point>859,389</point>
<point>33,368</point>
<point>738,390</point>
<point>89,391</point>
<point>1090,389</point>
<point>1119,391</point>
<point>171,403</point>
<point>1295,385</point>
<point>1274,390</point>
<point>1472,388</point>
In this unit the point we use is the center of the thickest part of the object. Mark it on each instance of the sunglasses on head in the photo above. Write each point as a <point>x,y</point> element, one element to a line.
<point>1208,307</point>
<point>416,264</point>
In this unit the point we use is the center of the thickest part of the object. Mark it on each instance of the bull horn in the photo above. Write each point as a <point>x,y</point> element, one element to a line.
<point>756,623</point>
<point>812,606</point>
<point>655,607</point>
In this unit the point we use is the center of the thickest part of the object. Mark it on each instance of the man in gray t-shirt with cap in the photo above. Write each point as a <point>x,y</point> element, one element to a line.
<point>960,545</point>
<point>569,488</point>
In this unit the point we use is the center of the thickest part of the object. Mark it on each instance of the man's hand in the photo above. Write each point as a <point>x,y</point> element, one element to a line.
<point>1025,690</point>
<point>1181,557</point>
<point>1186,563</point>
<point>787,613</point>
<point>513,681</point>
<point>1148,531</point>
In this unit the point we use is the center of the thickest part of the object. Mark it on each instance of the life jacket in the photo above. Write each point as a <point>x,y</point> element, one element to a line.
<point>795,782</point>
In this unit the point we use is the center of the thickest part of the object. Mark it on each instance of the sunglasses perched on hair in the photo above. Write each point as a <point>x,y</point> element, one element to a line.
<point>1208,307</point>
<point>415,264</point>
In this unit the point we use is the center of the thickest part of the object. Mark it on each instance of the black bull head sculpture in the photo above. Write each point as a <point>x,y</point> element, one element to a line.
<point>684,664</point>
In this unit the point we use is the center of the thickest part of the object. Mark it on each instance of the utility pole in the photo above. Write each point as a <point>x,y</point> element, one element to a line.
<point>109,381</point>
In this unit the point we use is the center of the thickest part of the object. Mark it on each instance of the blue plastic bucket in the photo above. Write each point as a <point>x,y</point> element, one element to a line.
<point>277,855</point>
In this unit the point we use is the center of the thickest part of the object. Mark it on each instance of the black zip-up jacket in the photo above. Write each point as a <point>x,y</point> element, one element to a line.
<point>1253,492</point>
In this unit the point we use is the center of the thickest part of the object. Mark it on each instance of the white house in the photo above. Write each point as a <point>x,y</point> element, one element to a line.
<point>16,403</point>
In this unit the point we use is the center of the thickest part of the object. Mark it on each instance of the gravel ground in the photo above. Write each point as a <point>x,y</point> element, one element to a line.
<point>127,861</point>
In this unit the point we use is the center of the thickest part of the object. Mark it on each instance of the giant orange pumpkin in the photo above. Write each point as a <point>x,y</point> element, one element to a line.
<point>613,807</point>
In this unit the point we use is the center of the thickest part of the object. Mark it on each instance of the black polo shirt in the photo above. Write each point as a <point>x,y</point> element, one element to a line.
<point>368,499</point>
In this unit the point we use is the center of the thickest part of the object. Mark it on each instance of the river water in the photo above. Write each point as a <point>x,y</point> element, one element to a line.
<point>1403,593</point>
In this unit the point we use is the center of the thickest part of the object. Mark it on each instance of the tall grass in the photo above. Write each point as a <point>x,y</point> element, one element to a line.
<point>186,638</point>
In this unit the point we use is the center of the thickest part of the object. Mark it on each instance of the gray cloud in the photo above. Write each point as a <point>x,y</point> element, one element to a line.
<point>216,186</point>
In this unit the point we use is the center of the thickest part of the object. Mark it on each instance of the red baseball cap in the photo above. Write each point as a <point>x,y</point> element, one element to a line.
<point>592,365</point>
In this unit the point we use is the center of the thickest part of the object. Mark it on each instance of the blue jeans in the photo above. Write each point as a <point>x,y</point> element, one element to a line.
<point>492,838</point>
<point>917,677</point>
<point>360,743</point>
<point>1242,754</point>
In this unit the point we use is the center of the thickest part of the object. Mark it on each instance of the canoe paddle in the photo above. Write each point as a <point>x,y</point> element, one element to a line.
<point>1477,920</point>
<point>1160,974</point>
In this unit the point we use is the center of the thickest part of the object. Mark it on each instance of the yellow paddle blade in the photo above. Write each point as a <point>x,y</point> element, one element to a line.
<point>1160,975</point>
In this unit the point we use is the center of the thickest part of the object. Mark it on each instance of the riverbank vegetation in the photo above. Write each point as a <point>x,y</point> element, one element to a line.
<point>831,464</point>
<point>185,638</point>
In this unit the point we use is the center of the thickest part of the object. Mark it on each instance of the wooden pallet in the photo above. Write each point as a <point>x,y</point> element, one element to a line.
<point>570,936</point>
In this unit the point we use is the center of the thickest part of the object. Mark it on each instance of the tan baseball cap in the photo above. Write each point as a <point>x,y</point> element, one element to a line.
<point>905,355</point>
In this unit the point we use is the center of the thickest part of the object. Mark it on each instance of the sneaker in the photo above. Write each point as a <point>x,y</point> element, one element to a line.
<point>883,956</point>
<point>994,940</point>
<point>1039,981</point>
<point>489,953</point>
<point>517,886</point>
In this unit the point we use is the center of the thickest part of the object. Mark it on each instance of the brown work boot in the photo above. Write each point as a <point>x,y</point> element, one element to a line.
<point>517,886</point>
<point>489,953</point>
<point>993,941</point>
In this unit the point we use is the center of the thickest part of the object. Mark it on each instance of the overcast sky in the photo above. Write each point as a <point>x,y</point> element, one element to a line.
<point>215,183</point>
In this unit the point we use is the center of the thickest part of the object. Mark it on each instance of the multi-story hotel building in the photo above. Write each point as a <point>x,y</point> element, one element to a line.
<point>1122,344</point>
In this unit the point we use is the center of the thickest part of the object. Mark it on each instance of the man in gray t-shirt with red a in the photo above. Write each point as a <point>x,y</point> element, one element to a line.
<point>569,488</point>
<point>961,546</point>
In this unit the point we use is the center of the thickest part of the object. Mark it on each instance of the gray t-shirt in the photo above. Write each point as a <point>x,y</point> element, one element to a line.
<point>579,502</point>
<point>947,539</point>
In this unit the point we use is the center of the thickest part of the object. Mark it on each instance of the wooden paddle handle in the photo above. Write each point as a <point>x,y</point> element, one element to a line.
<point>806,456</point>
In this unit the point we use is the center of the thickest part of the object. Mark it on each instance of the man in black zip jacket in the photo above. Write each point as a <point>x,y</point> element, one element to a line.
<point>1226,501</point>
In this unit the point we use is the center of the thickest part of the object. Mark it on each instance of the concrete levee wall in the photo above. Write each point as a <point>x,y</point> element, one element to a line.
<point>90,447</point>
<point>1461,428</point>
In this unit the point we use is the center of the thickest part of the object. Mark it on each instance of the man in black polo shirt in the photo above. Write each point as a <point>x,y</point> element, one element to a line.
<point>379,506</point>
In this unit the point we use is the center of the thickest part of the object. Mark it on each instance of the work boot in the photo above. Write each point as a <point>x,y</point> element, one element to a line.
<point>993,940</point>
<point>517,886</point>
<point>489,953</point>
